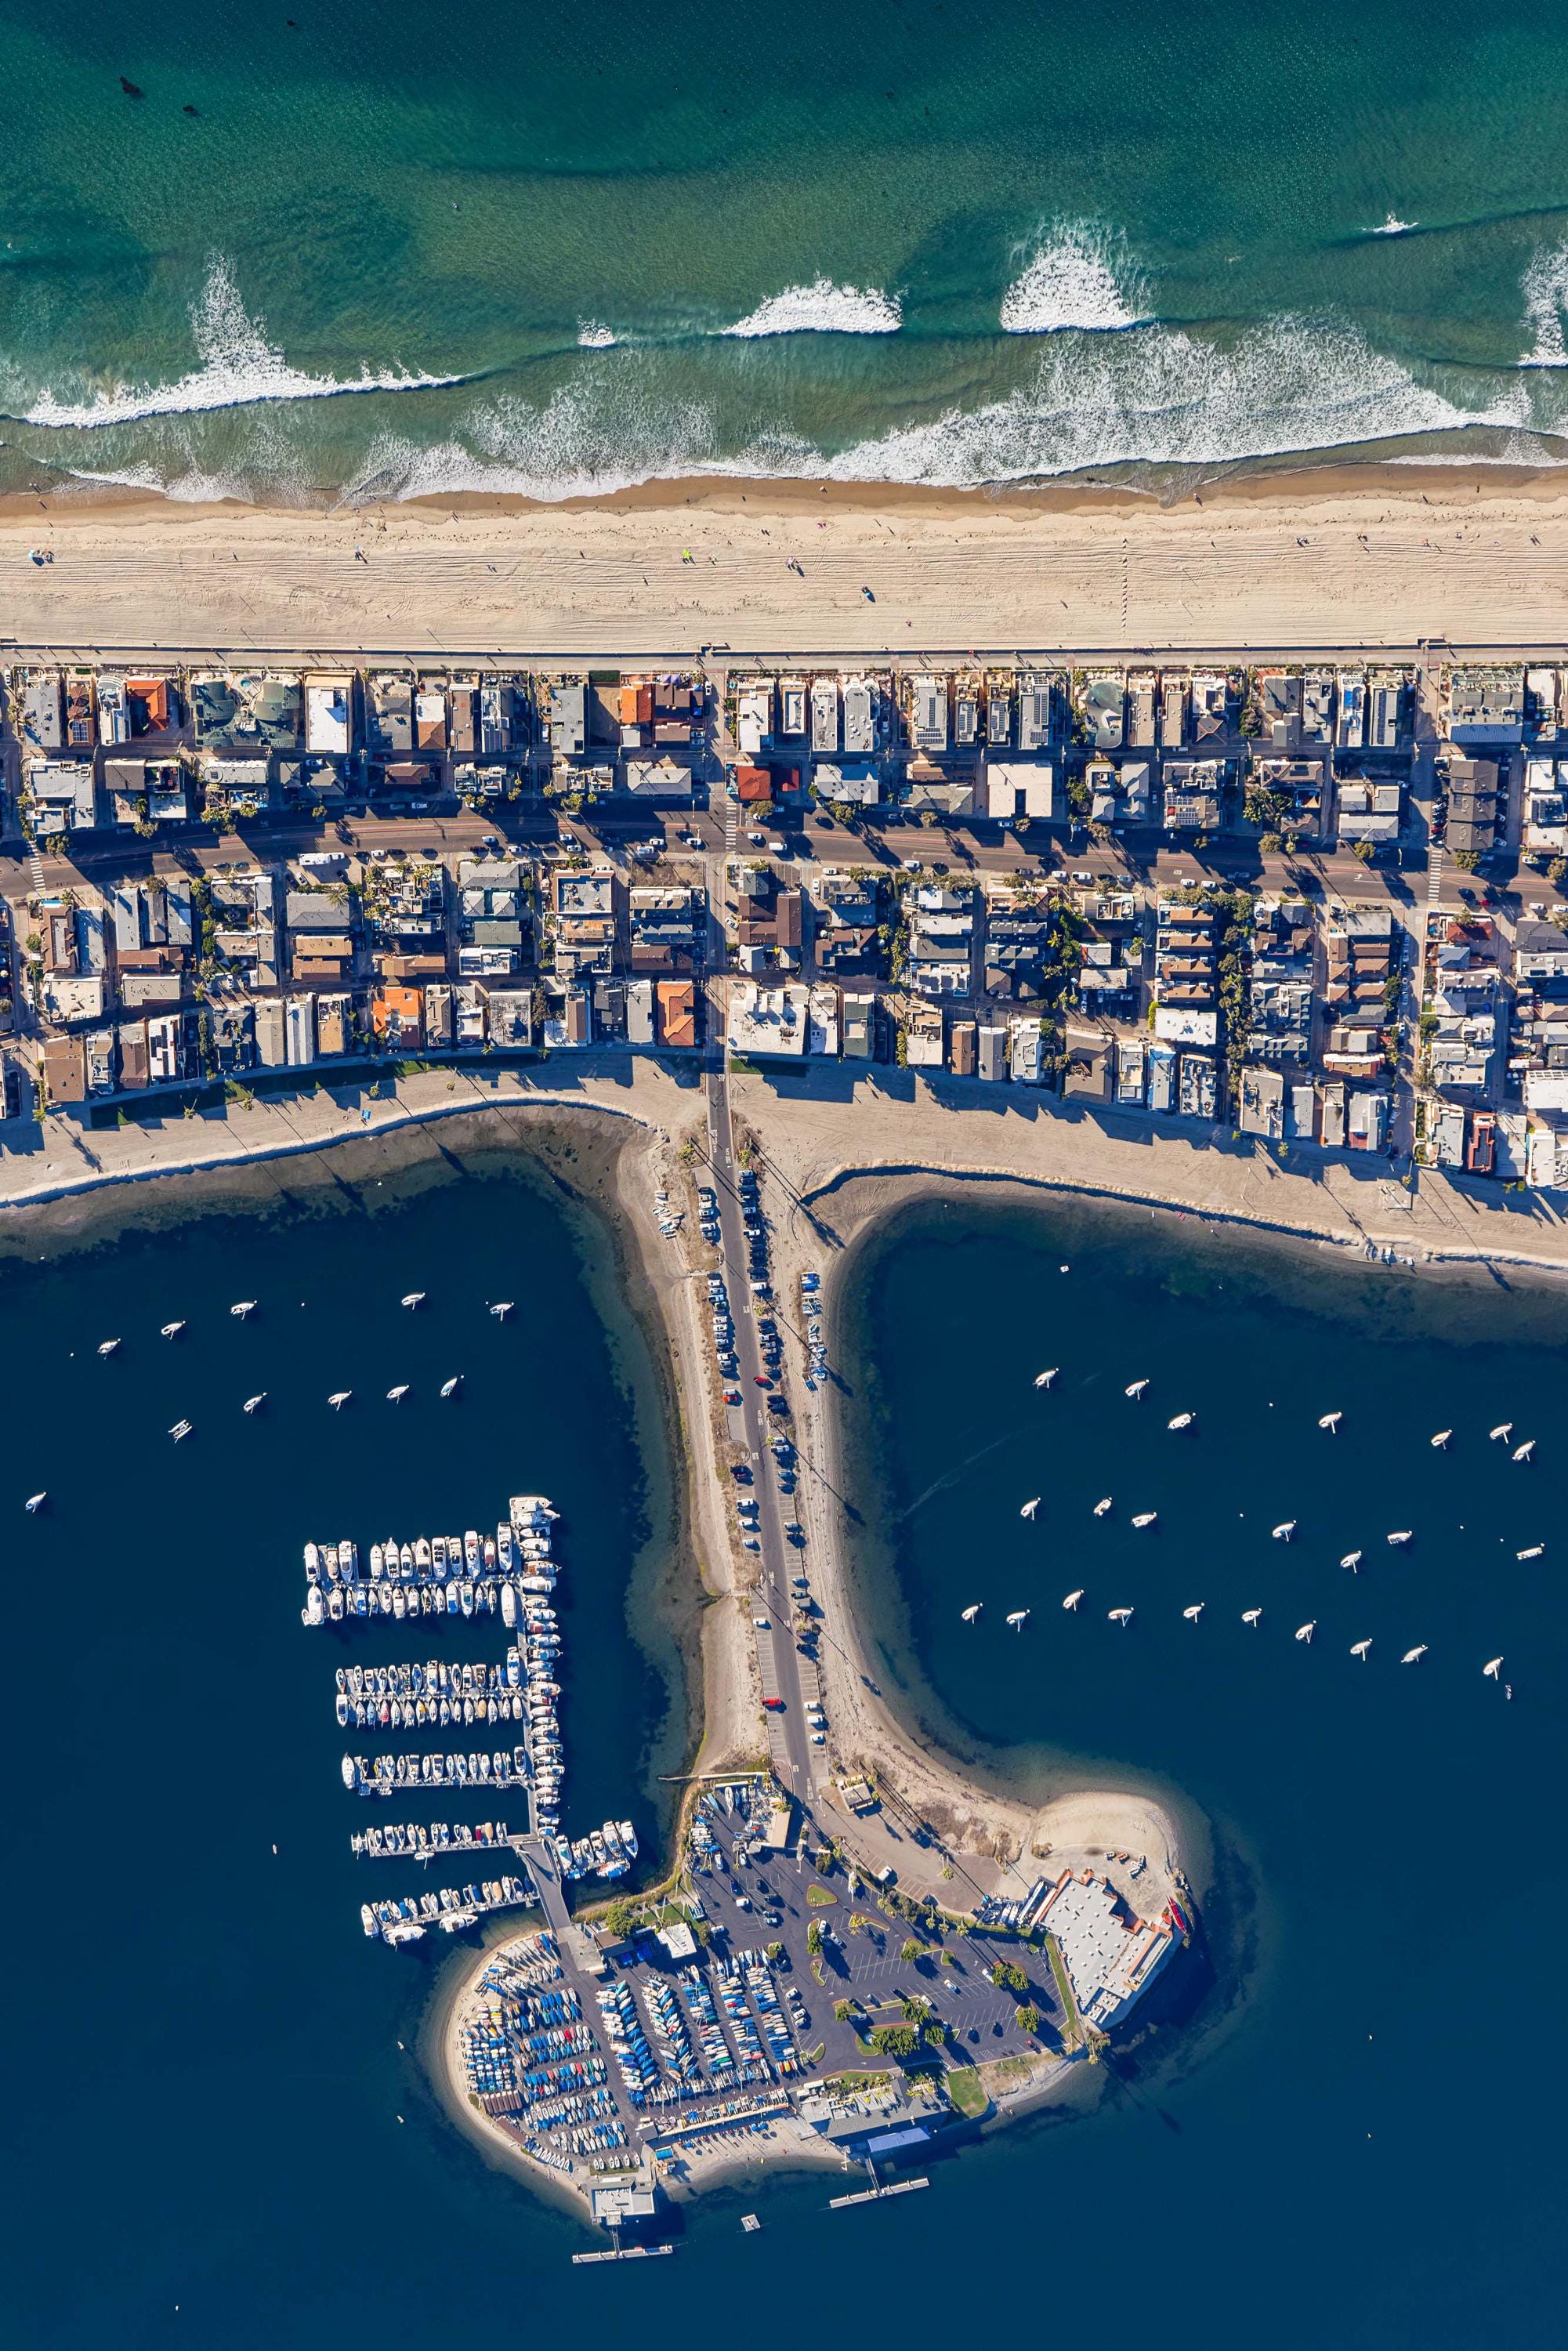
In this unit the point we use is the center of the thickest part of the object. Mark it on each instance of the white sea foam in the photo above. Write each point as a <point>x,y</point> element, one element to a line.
<point>1545,289</point>
<point>1168,397</point>
<point>1076,279</point>
<point>593,336</point>
<point>238,368</point>
<point>1164,396</point>
<point>823,308</point>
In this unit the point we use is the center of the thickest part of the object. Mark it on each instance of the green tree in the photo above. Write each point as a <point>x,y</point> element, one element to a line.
<point>814,1938</point>
<point>843,2010</point>
<point>909,1950</point>
<point>1009,1977</point>
<point>895,2040</point>
<point>1027,2018</point>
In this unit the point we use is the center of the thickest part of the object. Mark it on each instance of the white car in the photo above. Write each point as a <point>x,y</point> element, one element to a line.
<point>762,1624</point>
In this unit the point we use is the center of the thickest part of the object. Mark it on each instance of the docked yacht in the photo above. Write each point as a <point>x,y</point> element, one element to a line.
<point>1284,1530</point>
<point>1351,1559</point>
<point>1402,1536</point>
<point>1414,1657</point>
<point>1135,1389</point>
<point>413,1298</point>
<point>969,1615</point>
<point>171,1329</point>
<point>1030,1509</point>
<point>1073,1598</point>
<point>1019,1619</point>
<point>243,1307</point>
<point>396,1395</point>
<point>340,1398</point>
<point>1331,1421</point>
<point>1304,1632</point>
<point>1103,1505</point>
<point>1359,1649</point>
<point>1182,1420</point>
<point>502,1308</point>
<point>1193,1613</point>
<point>1145,1517</point>
<point>1044,1379</point>
<point>1122,1616</point>
<point>1253,1616</point>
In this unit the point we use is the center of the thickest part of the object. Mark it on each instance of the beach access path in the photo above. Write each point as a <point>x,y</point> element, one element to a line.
<point>1385,559</point>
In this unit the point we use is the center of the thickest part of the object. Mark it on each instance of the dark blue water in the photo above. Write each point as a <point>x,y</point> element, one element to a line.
<point>1354,2139</point>
<point>202,2071</point>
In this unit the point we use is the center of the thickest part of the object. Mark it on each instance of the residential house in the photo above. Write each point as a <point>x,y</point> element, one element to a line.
<point>941,940</point>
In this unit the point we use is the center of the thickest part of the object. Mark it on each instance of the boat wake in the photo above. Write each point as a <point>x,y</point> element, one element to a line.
<point>823,308</point>
<point>238,369</point>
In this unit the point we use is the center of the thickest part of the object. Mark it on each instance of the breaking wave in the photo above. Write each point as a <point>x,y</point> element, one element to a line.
<point>238,369</point>
<point>593,336</point>
<point>1072,281</point>
<point>1546,301</point>
<point>823,308</point>
<point>1162,397</point>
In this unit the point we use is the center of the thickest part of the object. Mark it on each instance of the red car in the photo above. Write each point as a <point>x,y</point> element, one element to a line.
<point>760,1380</point>
<point>774,1705</point>
<point>732,1395</point>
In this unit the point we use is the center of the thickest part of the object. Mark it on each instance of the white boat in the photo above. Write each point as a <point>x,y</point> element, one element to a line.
<point>1359,1649</point>
<point>1522,1452</point>
<point>1414,1657</point>
<point>396,1395</point>
<point>1402,1536</point>
<point>1044,1379</point>
<point>340,1398</point>
<point>1351,1559</point>
<point>253,1402</point>
<point>315,1607</point>
<point>1182,1420</point>
<point>1331,1421</point>
<point>1102,1506</point>
<point>413,1298</point>
<point>36,1502</point>
<point>1251,1616</point>
<point>109,1346</point>
<point>1073,1598</point>
<point>1145,1517</point>
<point>1193,1613</point>
<point>245,1306</point>
<point>1030,1509</point>
<point>1135,1388</point>
<point>1492,1668</point>
<point>967,1615</point>
<point>1122,1616</point>
<point>1304,1632</point>
<point>181,1428</point>
<point>1018,1618</point>
<point>502,1309</point>
<point>171,1329</point>
<point>1501,1433</point>
<point>1284,1530</point>
<point>1534,1552</point>
<point>509,1606</point>
<point>350,1772</point>
<point>1440,1442</point>
<point>450,1387</point>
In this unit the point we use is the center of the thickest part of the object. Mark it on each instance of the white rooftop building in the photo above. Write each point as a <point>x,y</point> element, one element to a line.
<point>1110,1959</point>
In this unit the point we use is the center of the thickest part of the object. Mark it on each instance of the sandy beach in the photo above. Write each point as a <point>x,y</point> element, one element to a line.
<point>1390,557</point>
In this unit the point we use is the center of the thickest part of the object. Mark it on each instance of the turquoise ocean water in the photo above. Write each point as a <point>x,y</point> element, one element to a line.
<point>381,250</point>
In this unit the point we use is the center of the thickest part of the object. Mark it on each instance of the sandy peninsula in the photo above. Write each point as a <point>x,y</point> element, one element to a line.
<point>1392,557</point>
<point>836,1160</point>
